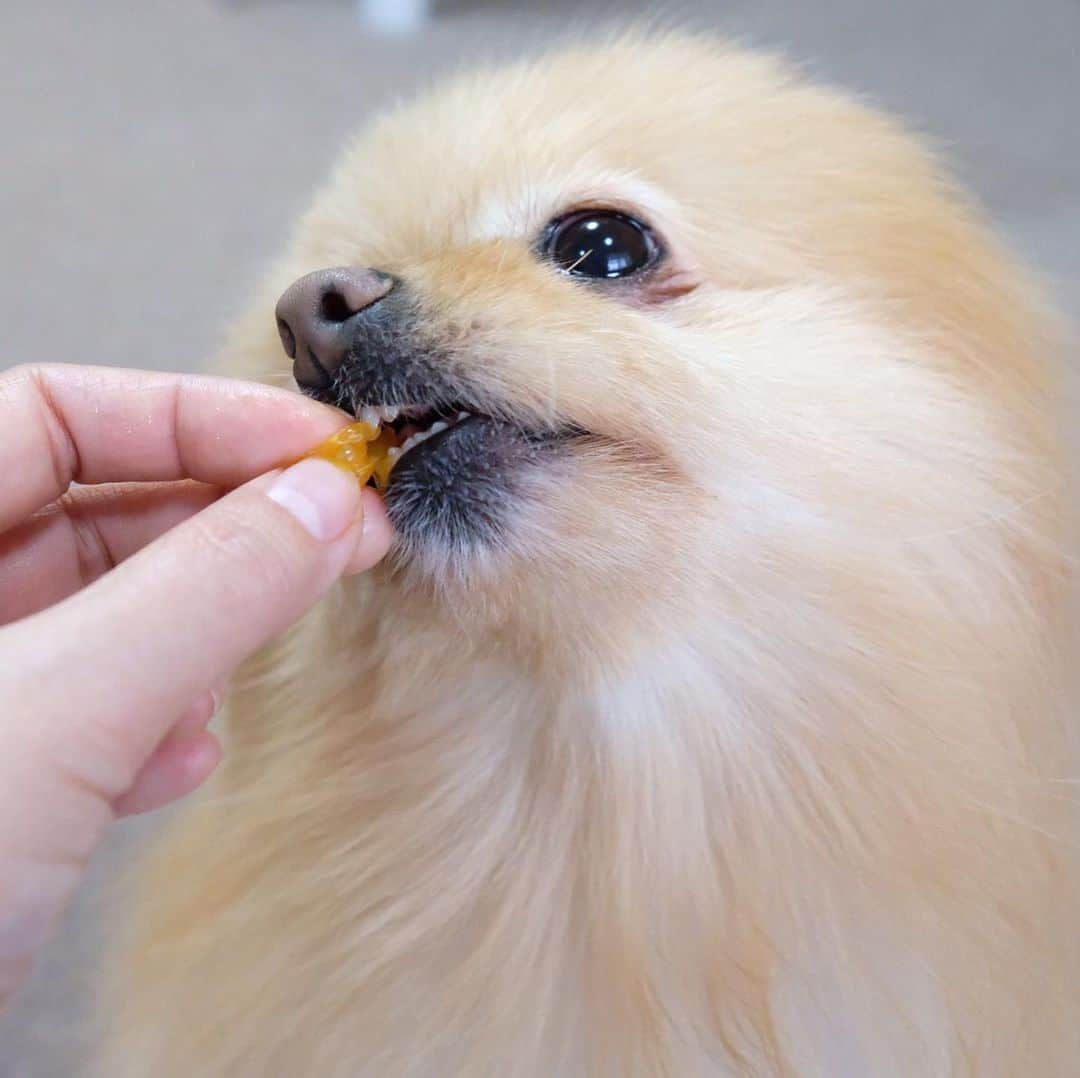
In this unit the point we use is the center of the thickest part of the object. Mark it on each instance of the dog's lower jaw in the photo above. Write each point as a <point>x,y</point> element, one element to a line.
<point>442,866</point>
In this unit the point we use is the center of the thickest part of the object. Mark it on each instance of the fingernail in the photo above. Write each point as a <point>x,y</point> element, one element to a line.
<point>217,698</point>
<point>322,497</point>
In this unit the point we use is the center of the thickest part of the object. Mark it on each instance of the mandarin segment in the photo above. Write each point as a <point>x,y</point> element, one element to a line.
<point>361,449</point>
<point>379,453</point>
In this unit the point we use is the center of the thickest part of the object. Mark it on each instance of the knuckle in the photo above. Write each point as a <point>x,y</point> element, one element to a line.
<point>92,553</point>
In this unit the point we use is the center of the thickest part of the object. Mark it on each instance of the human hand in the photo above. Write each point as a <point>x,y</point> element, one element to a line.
<point>126,603</point>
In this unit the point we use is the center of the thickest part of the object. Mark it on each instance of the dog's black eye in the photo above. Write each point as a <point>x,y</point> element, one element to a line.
<point>600,243</point>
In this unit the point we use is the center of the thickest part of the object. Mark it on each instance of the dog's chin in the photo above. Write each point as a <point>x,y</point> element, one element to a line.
<point>459,495</point>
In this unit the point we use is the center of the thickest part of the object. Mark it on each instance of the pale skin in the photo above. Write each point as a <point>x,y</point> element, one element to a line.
<point>149,542</point>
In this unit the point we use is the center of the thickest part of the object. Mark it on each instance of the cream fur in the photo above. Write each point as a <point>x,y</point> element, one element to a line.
<point>748,753</point>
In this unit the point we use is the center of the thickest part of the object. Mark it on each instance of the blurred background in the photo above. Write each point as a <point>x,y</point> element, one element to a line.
<point>156,152</point>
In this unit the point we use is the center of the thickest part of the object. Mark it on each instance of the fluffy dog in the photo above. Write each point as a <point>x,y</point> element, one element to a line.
<point>708,718</point>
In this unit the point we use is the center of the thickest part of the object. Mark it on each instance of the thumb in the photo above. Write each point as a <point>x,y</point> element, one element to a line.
<point>106,673</point>
<point>89,688</point>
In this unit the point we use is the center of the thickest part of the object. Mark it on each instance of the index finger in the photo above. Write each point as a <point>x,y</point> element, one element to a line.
<point>65,424</point>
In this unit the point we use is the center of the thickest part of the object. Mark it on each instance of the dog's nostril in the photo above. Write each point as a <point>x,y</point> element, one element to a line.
<point>319,320</point>
<point>334,307</point>
<point>288,338</point>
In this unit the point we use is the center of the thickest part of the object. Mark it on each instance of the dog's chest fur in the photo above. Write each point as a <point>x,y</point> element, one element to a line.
<point>471,874</point>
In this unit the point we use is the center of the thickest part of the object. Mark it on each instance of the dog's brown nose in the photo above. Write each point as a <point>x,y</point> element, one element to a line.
<point>316,316</point>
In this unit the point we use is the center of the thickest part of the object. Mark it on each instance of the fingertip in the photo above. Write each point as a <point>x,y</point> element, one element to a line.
<point>319,496</point>
<point>178,768</point>
<point>200,761</point>
<point>376,534</point>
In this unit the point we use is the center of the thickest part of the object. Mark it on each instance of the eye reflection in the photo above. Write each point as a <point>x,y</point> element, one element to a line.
<point>601,244</point>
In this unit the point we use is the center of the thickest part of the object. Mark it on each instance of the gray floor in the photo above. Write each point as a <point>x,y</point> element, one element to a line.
<point>155,151</point>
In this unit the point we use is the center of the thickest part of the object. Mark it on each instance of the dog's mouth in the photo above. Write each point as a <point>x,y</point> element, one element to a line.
<point>405,428</point>
<point>454,475</point>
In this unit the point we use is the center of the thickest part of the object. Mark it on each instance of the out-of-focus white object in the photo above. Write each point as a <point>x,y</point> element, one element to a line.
<point>393,16</point>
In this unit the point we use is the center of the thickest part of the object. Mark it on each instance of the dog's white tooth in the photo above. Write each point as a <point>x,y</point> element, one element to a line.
<point>420,436</point>
<point>394,452</point>
<point>393,412</point>
<point>370,416</point>
<point>460,416</point>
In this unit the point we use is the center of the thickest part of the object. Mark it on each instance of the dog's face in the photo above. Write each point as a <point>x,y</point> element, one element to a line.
<point>706,340</point>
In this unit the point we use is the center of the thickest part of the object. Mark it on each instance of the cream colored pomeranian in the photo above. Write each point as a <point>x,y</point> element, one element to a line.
<point>708,718</point>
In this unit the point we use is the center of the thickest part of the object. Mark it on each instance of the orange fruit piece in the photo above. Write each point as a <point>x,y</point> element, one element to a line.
<point>361,449</point>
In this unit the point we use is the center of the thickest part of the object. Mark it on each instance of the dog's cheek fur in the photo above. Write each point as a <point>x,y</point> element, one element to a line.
<point>710,769</point>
